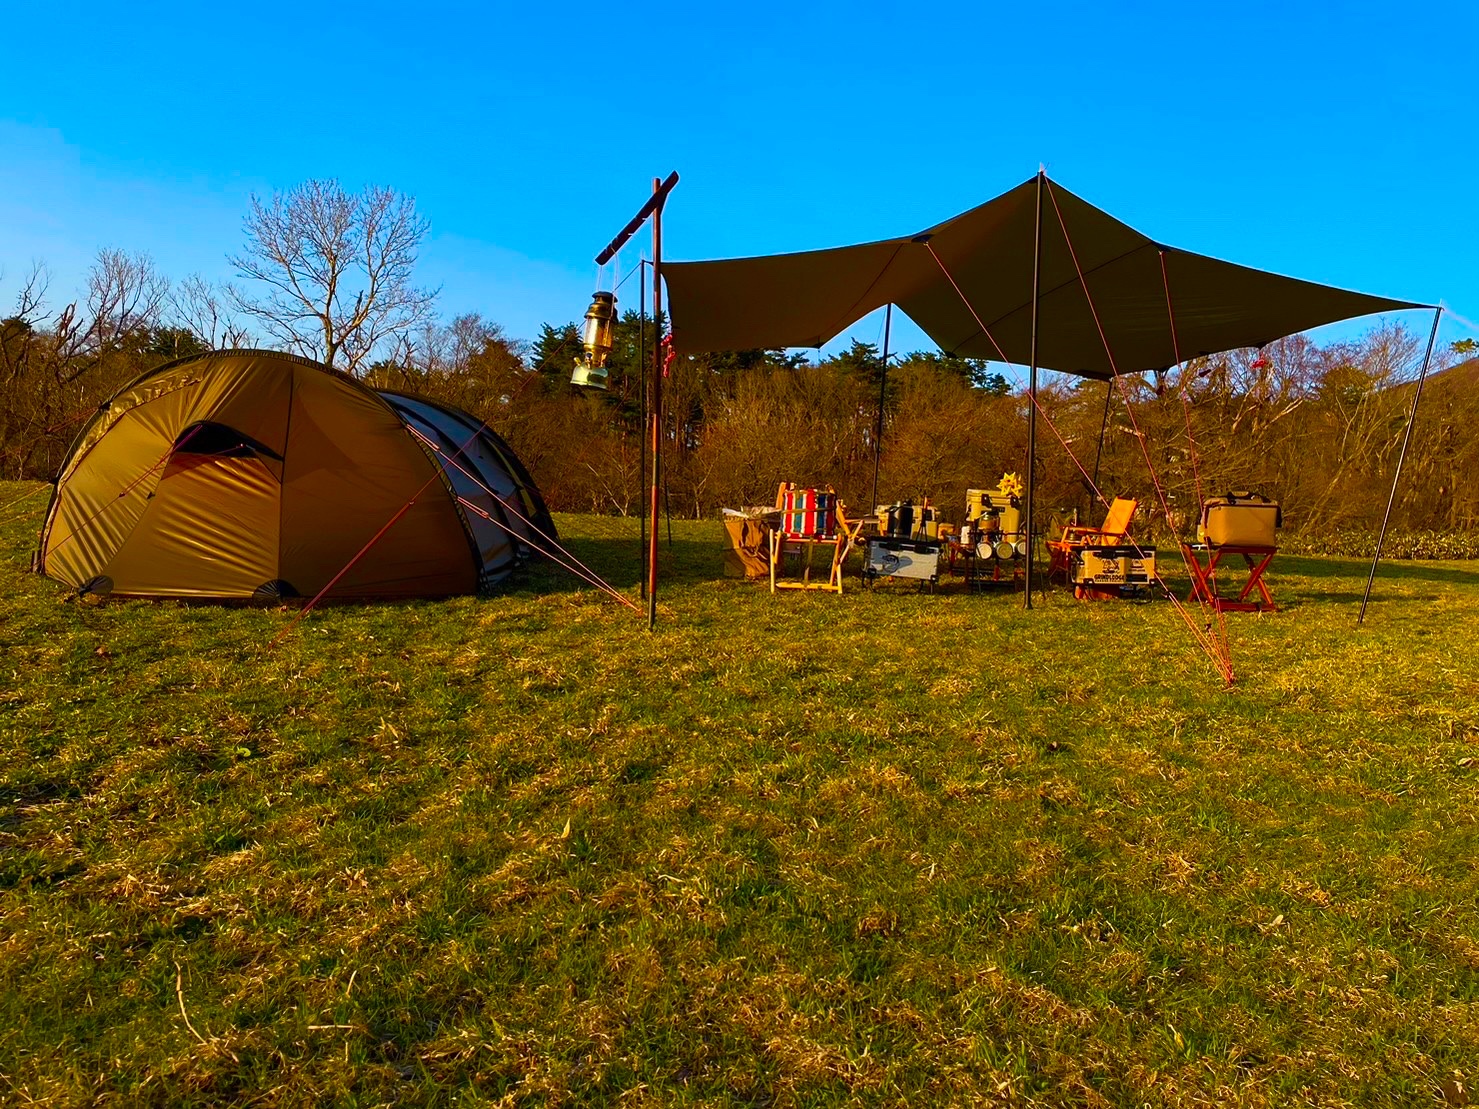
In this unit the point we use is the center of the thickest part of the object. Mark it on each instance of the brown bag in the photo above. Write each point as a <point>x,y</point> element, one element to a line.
<point>747,553</point>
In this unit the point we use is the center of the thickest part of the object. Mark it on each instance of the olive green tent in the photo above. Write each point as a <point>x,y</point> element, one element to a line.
<point>257,474</point>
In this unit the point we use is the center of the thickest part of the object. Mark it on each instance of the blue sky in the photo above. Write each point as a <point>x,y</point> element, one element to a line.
<point>1331,142</point>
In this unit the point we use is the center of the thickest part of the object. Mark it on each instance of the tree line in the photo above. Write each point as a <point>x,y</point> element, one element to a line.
<point>329,274</point>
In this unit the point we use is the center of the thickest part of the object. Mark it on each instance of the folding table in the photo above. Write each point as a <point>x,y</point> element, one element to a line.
<point>1204,576</point>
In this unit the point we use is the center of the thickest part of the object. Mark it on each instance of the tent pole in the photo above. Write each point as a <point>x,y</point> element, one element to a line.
<point>888,318</point>
<point>1401,458</point>
<point>655,502</point>
<point>1103,423</point>
<point>1032,387</point>
<point>642,426</point>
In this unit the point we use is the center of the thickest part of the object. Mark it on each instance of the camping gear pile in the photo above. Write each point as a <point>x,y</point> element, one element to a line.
<point>992,542</point>
<point>1103,563</point>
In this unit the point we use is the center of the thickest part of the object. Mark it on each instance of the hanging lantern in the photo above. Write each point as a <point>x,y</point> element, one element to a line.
<point>597,337</point>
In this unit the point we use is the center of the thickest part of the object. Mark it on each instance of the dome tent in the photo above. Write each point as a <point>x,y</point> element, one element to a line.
<point>241,474</point>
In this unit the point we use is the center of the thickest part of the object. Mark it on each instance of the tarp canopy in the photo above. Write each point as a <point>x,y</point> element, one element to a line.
<point>803,300</point>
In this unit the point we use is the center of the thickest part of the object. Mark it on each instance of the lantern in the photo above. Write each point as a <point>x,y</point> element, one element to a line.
<point>597,337</point>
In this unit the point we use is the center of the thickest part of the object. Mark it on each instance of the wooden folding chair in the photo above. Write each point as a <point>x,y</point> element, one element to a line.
<point>811,518</point>
<point>1076,536</point>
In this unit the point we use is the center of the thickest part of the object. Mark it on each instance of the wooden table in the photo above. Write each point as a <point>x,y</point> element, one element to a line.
<point>1204,577</point>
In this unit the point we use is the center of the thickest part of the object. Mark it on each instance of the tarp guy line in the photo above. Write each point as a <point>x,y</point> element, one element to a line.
<point>1201,640</point>
<point>1225,664</point>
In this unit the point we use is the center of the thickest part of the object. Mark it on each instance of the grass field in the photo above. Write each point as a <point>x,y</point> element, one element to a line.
<point>795,850</point>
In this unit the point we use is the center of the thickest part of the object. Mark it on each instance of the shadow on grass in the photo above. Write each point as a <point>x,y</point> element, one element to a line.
<point>620,564</point>
<point>1393,570</point>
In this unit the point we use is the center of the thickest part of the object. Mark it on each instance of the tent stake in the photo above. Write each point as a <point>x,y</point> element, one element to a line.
<point>888,318</point>
<point>1401,458</point>
<point>1032,387</point>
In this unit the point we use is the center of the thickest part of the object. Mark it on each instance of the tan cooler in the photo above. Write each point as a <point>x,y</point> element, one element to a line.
<point>1240,520</point>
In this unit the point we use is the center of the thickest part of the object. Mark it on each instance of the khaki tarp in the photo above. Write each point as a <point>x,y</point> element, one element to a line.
<point>803,300</point>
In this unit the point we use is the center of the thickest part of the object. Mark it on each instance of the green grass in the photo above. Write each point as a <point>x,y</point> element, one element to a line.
<point>794,850</point>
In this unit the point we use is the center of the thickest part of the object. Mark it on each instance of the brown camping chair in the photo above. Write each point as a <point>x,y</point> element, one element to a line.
<point>1076,536</point>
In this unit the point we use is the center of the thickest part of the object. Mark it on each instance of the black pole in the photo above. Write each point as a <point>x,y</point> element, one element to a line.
<point>888,318</point>
<point>667,496</point>
<point>1103,423</point>
<point>642,429</point>
<point>1401,458</point>
<point>1032,386</point>
<point>659,193</point>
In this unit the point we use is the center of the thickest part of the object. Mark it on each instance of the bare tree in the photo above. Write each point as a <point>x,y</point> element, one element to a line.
<point>336,269</point>
<point>52,368</point>
<point>202,309</point>
<point>124,296</point>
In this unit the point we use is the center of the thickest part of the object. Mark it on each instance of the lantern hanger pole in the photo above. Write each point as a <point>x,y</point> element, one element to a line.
<point>652,406</point>
<point>660,190</point>
<point>659,195</point>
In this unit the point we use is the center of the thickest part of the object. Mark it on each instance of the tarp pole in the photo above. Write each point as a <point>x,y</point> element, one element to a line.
<point>1032,387</point>
<point>1401,458</point>
<point>1103,423</point>
<point>642,426</point>
<point>656,500</point>
<point>888,317</point>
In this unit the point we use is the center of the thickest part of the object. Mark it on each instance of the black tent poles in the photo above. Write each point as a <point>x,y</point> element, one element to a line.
<point>1032,386</point>
<point>1401,458</point>
<point>642,433</point>
<point>1103,424</point>
<point>888,317</point>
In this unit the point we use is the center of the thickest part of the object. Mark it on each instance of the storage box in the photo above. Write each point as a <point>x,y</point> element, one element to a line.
<point>1110,566</point>
<point>1240,520</point>
<point>903,558</point>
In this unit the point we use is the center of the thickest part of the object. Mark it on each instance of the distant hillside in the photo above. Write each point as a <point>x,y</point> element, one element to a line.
<point>1463,376</point>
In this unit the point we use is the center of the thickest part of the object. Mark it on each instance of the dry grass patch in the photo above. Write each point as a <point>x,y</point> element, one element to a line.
<point>793,850</point>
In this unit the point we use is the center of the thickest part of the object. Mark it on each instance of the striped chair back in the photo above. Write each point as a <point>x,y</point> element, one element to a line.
<point>808,514</point>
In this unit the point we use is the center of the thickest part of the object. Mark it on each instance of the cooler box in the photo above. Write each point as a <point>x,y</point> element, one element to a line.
<point>902,558</point>
<point>1107,566</point>
<point>1240,520</point>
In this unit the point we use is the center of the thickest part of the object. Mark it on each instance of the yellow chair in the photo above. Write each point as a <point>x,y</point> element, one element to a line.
<point>1076,536</point>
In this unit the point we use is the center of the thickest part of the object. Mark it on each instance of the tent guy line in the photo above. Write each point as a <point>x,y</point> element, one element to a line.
<point>574,565</point>
<point>1223,653</point>
<point>1216,653</point>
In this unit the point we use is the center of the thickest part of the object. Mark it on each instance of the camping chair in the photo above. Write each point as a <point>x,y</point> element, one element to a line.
<point>811,518</point>
<point>1076,536</point>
